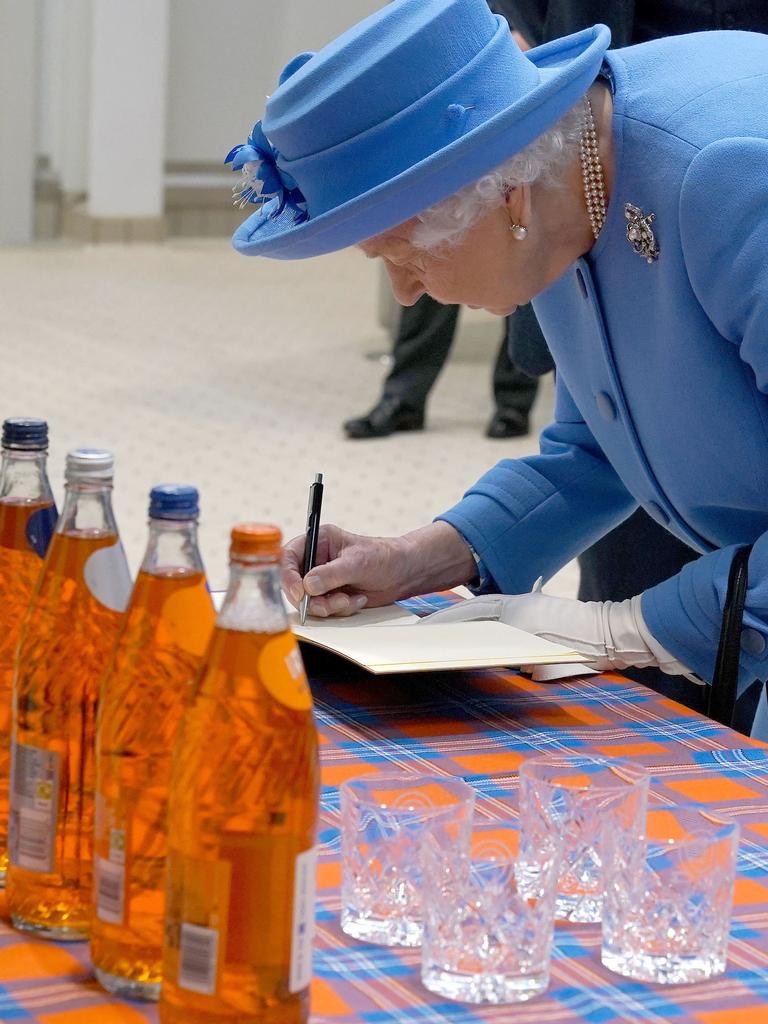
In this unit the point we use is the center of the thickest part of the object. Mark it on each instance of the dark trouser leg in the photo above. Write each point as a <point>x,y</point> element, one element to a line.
<point>630,559</point>
<point>423,341</point>
<point>634,556</point>
<point>513,390</point>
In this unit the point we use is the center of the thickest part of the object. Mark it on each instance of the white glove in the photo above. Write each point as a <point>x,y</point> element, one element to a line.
<point>612,634</point>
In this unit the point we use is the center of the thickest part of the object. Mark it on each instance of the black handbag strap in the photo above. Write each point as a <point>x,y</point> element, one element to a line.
<point>724,688</point>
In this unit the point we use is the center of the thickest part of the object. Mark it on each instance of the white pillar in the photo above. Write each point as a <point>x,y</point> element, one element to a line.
<point>66,99</point>
<point>63,90</point>
<point>18,80</point>
<point>128,101</point>
<point>47,77</point>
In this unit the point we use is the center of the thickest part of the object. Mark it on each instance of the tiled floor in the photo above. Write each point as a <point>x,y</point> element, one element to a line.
<point>194,364</point>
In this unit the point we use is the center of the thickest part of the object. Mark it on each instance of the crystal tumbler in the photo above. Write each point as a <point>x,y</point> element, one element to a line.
<point>580,798</point>
<point>384,820</point>
<point>668,901</point>
<point>485,941</point>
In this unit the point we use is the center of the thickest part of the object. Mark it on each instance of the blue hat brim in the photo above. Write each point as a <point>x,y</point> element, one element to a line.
<point>567,68</point>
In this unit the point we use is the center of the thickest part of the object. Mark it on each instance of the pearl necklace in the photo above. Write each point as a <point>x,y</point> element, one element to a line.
<point>592,170</point>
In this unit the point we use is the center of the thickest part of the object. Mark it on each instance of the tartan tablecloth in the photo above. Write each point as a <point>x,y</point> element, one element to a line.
<point>480,725</point>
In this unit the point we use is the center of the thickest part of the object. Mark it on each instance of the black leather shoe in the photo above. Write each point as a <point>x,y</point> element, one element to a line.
<point>509,423</point>
<point>389,415</point>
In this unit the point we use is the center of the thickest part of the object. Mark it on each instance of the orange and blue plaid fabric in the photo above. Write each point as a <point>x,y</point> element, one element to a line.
<point>480,725</point>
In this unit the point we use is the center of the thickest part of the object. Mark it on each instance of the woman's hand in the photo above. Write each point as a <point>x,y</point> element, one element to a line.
<point>610,634</point>
<point>353,571</point>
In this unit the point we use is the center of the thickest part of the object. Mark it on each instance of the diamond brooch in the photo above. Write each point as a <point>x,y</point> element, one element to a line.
<point>640,234</point>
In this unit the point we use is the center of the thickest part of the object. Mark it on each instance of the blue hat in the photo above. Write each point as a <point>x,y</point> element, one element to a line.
<point>398,113</point>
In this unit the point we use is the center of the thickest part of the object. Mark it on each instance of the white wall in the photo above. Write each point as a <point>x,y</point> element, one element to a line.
<point>129,68</point>
<point>225,56</point>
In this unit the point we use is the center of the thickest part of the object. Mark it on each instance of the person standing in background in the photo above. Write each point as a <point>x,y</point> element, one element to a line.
<point>423,341</point>
<point>421,347</point>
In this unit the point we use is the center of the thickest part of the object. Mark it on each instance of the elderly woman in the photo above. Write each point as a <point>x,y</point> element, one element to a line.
<point>626,193</point>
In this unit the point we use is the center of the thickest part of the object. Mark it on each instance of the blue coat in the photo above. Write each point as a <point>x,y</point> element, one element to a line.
<point>662,368</point>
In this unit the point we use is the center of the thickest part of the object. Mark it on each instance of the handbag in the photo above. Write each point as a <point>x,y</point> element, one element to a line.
<point>724,689</point>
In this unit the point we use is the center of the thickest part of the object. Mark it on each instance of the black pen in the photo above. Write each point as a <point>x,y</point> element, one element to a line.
<point>313,529</point>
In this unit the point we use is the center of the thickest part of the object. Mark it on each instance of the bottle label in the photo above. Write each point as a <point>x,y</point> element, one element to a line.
<point>40,527</point>
<point>34,804</point>
<point>110,891</point>
<point>110,880</point>
<point>303,926</point>
<point>108,578</point>
<point>198,959</point>
<point>282,673</point>
<point>117,845</point>
<point>197,911</point>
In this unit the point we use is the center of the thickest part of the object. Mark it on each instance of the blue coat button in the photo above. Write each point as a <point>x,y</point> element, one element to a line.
<point>752,641</point>
<point>605,406</point>
<point>656,512</point>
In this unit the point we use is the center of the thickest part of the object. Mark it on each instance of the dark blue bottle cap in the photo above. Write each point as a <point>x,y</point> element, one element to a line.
<point>25,434</point>
<point>174,501</point>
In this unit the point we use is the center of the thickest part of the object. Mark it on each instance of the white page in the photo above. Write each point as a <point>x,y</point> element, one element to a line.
<point>453,645</point>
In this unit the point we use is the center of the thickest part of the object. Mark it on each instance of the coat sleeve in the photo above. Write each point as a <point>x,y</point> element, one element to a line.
<point>527,517</point>
<point>724,235</point>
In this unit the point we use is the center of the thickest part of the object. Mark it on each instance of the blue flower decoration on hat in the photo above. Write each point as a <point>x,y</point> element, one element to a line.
<point>262,179</point>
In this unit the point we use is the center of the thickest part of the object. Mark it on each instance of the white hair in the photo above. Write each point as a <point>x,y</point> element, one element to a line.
<point>545,159</point>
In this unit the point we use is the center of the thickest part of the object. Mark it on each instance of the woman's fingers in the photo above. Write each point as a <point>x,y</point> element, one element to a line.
<point>351,571</point>
<point>293,560</point>
<point>331,576</point>
<point>293,563</point>
<point>345,570</point>
<point>337,604</point>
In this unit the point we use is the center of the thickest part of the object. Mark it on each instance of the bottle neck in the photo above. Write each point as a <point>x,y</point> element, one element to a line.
<point>88,509</point>
<point>23,476</point>
<point>172,548</point>
<point>254,600</point>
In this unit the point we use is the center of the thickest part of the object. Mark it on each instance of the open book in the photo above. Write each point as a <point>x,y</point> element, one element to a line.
<point>391,639</point>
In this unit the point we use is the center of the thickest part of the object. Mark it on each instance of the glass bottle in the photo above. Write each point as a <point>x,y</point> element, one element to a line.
<point>27,519</point>
<point>67,639</point>
<point>243,814</point>
<point>158,655</point>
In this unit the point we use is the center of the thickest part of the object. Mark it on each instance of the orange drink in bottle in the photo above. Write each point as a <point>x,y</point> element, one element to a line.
<point>243,814</point>
<point>27,519</point>
<point>161,645</point>
<point>66,642</point>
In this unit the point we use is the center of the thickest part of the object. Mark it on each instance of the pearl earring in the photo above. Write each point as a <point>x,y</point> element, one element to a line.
<point>519,232</point>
